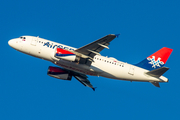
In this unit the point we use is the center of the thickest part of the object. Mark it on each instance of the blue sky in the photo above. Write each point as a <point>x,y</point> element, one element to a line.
<point>26,92</point>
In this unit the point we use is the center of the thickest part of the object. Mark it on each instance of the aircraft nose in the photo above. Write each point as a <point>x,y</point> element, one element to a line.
<point>11,42</point>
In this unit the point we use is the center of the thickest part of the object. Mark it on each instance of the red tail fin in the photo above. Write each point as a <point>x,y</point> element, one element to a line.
<point>163,54</point>
<point>156,60</point>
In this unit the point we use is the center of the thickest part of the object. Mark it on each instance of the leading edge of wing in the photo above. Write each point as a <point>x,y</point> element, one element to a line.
<point>92,49</point>
<point>97,46</point>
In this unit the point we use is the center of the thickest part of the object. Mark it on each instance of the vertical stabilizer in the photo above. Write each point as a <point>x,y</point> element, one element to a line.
<point>156,60</point>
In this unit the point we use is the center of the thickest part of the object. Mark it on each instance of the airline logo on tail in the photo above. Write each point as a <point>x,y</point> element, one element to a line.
<point>156,60</point>
<point>155,63</point>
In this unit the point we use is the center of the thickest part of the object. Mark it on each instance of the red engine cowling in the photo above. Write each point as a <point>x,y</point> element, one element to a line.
<point>59,73</point>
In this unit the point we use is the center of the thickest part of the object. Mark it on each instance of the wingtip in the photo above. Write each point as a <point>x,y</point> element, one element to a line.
<point>117,35</point>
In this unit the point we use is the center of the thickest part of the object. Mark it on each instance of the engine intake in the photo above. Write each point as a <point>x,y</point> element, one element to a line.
<point>59,73</point>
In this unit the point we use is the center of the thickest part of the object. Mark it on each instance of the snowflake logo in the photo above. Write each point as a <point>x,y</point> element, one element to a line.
<point>155,63</point>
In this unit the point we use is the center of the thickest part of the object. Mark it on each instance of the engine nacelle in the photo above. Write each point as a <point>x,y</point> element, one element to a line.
<point>59,73</point>
<point>64,54</point>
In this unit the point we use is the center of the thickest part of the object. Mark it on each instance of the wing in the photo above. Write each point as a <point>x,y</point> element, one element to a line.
<point>82,78</point>
<point>84,81</point>
<point>94,48</point>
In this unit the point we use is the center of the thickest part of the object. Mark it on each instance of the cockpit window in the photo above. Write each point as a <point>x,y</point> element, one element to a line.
<point>22,37</point>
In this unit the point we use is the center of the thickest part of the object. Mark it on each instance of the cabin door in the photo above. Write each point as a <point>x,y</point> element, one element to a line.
<point>34,41</point>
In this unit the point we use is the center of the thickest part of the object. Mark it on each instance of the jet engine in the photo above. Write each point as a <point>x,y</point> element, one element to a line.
<point>59,73</point>
<point>65,55</point>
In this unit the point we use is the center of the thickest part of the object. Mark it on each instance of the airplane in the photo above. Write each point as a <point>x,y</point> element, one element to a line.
<point>87,60</point>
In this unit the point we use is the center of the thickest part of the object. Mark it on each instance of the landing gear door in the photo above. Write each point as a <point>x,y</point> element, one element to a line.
<point>131,70</point>
<point>34,41</point>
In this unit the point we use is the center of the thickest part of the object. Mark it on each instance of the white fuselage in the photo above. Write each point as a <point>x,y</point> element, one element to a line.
<point>101,66</point>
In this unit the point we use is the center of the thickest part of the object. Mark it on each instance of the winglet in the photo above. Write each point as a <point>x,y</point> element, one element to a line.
<point>117,35</point>
<point>94,88</point>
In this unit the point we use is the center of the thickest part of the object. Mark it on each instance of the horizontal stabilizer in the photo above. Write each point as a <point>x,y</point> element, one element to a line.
<point>156,84</point>
<point>157,72</point>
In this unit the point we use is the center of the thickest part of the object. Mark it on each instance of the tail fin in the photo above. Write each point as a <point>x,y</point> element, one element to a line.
<point>156,60</point>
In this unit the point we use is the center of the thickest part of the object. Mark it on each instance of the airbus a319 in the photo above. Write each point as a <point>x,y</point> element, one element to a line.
<point>80,62</point>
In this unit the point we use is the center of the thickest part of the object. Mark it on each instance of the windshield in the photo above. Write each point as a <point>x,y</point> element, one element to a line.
<point>22,37</point>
